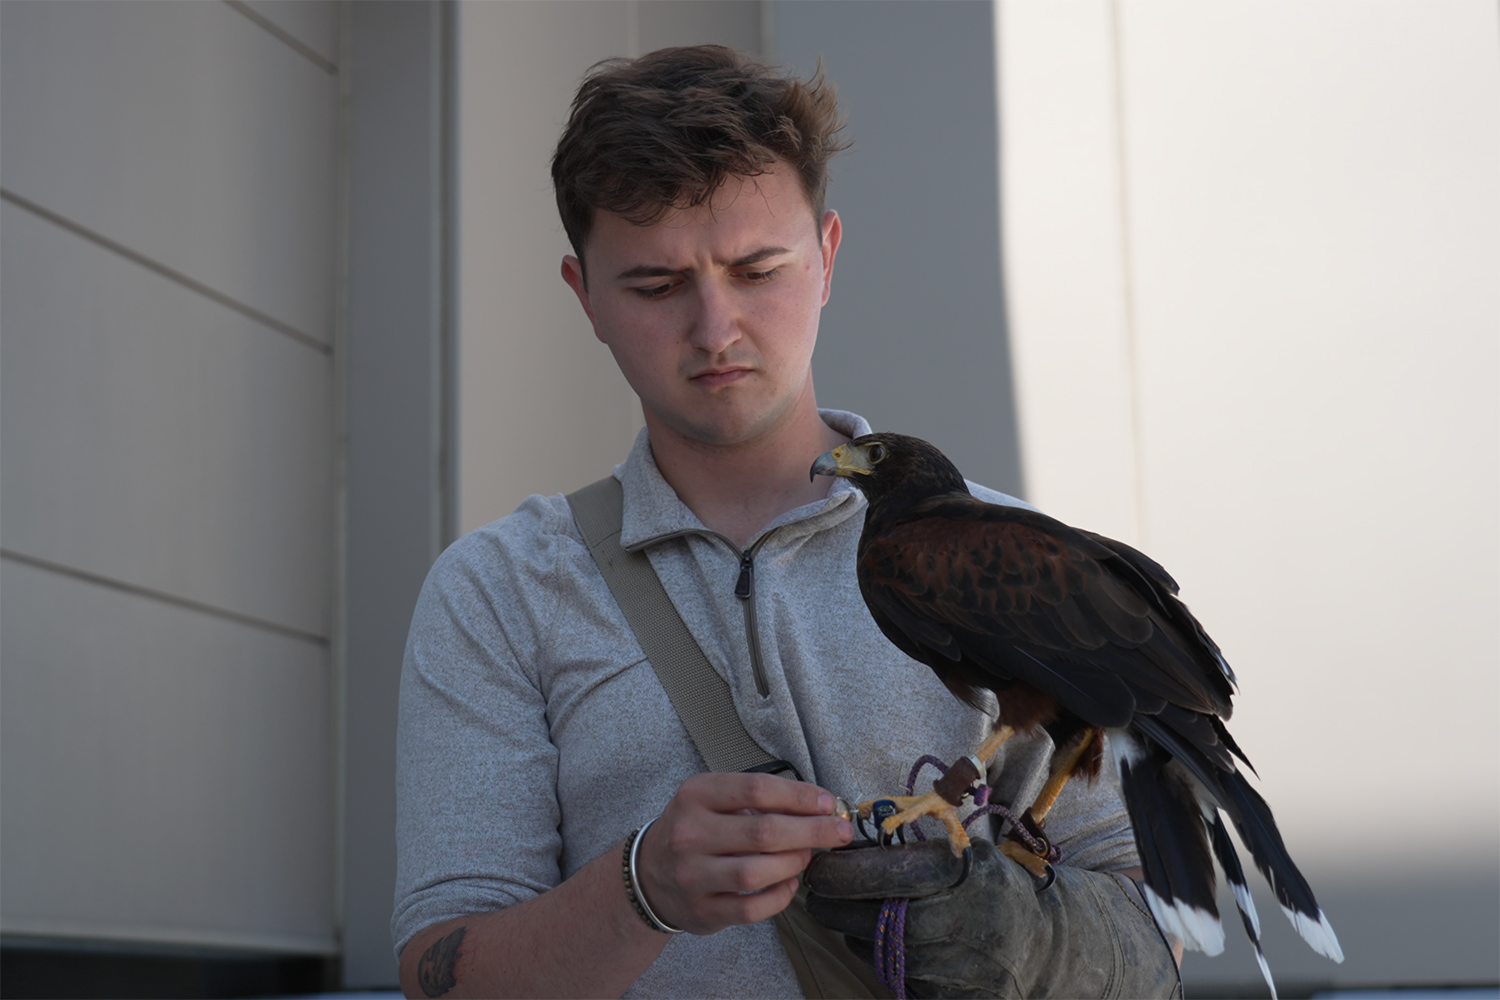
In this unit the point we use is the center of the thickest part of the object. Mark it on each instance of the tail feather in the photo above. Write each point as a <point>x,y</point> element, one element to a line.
<point>1257,828</point>
<point>1173,845</point>
<point>1317,933</point>
<point>1229,860</point>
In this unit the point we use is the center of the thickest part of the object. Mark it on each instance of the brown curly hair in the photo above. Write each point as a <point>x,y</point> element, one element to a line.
<point>664,131</point>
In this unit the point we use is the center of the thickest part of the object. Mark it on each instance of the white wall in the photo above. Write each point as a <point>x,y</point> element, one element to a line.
<point>166,422</point>
<point>1253,261</point>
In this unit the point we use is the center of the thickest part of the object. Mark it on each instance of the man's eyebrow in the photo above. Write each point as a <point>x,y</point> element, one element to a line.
<point>755,257</point>
<point>647,271</point>
<point>658,271</point>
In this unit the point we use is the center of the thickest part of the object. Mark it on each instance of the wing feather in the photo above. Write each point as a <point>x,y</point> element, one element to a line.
<point>1025,597</point>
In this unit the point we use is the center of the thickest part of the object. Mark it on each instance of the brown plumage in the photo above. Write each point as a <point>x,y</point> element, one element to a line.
<point>1074,633</point>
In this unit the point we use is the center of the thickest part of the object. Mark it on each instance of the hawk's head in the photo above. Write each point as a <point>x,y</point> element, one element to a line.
<point>892,469</point>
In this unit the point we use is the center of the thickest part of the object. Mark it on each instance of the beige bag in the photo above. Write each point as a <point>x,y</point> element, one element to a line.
<point>825,966</point>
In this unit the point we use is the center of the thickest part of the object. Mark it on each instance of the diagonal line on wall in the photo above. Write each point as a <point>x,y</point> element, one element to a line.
<point>163,596</point>
<point>281,34</point>
<point>156,267</point>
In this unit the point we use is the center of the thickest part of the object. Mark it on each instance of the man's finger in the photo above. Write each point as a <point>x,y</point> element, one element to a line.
<point>769,833</point>
<point>760,792</point>
<point>725,909</point>
<point>749,873</point>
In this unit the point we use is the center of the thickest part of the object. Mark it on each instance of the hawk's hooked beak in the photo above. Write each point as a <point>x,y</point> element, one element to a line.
<point>844,460</point>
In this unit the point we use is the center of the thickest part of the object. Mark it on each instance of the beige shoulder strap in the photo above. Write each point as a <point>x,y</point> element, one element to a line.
<point>824,965</point>
<point>700,696</point>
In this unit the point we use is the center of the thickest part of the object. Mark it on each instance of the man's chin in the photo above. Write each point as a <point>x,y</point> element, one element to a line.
<point>720,430</point>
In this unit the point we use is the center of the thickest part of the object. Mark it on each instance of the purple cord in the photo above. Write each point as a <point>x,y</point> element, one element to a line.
<point>890,947</point>
<point>916,769</point>
<point>890,930</point>
<point>981,796</point>
<point>1052,852</point>
<point>911,785</point>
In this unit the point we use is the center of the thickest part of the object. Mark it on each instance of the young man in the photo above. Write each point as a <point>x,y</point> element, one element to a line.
<point>534,734</point>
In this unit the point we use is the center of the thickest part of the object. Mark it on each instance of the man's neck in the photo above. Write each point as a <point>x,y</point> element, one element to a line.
<point>737,490</point>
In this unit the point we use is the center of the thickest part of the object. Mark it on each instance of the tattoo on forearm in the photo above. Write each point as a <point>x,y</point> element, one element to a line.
<point>435,968</point>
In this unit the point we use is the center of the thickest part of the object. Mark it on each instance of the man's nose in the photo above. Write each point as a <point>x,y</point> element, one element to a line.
<point>717,324</point>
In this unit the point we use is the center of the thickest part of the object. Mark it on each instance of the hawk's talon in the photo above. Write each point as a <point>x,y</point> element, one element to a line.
<point>879,811</point>
<point>963,876</point>
<point>1022,855</point>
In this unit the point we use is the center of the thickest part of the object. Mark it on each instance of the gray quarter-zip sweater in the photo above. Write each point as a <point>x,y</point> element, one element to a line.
<point>534,735</point>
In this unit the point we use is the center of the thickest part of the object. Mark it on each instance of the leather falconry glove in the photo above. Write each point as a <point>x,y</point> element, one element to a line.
<point>1089,934</point>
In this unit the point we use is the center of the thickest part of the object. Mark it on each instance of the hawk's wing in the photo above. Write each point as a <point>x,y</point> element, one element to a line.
<point>1022,596</point>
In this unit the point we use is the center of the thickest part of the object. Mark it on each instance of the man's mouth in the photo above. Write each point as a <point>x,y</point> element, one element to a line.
<point>713,378</point>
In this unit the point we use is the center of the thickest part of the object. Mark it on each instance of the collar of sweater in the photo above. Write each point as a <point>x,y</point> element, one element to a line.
<point>653,511</point>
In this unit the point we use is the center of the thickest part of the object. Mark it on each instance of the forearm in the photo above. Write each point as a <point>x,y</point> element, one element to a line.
<point>726,850</point>
<point>580,939</point>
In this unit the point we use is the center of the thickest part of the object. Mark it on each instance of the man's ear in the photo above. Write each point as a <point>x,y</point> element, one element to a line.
<point>572,273</point>
<point>833,232</point>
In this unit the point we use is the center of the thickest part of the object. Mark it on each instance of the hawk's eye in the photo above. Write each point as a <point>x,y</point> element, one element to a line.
<point>876,453</point>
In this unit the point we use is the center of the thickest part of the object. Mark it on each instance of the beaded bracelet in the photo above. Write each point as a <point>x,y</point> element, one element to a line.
<point>632,884</point>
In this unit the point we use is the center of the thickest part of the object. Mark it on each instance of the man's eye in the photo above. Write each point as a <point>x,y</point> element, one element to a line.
<point>654,292</point>
<point>758,277</point>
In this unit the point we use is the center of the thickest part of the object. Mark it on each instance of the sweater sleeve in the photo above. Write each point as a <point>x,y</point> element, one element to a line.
<point>476,772</point>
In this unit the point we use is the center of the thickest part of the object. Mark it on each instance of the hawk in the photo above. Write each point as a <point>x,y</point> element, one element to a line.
<point>1078,635</point>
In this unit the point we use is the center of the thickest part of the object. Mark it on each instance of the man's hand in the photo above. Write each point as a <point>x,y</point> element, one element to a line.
<point>728,848</point>
<point>995,935</point>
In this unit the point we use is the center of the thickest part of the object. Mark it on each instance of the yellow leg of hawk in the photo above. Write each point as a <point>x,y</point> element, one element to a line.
<point>1061,770</point>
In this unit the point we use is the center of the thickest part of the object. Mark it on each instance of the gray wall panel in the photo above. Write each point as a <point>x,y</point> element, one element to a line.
<point>914,335</point>
<point>193,136</point>
<point>398,496</point>
<point>155,437</point>
<point>684,22</point>
<point>167,742</point>
<point>167,773</point>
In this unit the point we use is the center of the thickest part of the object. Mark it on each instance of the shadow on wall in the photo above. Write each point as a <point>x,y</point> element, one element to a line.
<point>1409,929</point>
<point>914,336</point>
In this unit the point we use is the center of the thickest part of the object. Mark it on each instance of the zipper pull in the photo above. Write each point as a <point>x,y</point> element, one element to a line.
<point>747,577</point>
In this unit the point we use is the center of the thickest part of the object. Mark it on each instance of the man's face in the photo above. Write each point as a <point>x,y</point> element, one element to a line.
<point>712,312</point>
